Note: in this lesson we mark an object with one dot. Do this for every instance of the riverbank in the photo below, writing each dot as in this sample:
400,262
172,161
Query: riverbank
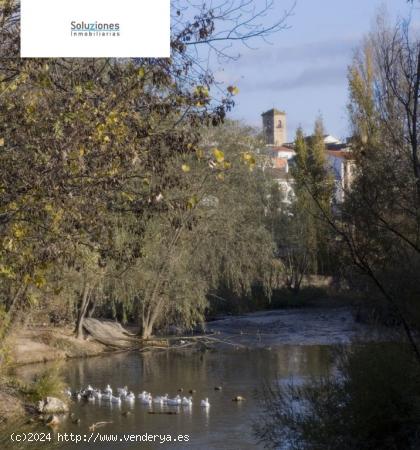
38,345
315,325
34,345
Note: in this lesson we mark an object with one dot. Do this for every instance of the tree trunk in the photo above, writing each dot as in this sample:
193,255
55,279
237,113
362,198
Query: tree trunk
91,307
82,312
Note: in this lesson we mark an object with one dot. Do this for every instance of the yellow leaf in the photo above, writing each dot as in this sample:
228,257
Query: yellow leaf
202,91
26,279
141,72
7,271
128,196
1,142
220,177
39,281
18,231
192,202
219,155
186,168
233,90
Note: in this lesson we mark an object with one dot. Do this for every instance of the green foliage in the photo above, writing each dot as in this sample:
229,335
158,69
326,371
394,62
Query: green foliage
298,230
373,403
209,231
379,226
86,149
49,383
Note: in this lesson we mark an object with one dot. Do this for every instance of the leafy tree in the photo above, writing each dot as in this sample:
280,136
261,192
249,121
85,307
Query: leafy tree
84,147
378,225
209,231
313,185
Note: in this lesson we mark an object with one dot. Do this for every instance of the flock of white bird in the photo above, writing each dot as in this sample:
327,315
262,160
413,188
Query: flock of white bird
123,394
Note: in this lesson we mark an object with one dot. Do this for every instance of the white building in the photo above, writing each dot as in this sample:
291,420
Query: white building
281,154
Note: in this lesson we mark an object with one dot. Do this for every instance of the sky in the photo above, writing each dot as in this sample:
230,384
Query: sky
304,69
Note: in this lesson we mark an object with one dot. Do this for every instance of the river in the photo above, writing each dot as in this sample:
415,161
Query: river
259,358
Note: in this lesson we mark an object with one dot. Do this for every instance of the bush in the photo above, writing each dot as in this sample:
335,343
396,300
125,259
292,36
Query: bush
373,403
48,384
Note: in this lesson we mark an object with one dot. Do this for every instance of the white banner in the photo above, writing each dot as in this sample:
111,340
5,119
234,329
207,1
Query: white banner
95,28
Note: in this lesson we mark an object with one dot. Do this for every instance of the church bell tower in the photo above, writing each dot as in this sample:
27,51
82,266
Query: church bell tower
274,127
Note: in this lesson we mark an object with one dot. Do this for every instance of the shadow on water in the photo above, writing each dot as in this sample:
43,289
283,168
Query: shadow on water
226,425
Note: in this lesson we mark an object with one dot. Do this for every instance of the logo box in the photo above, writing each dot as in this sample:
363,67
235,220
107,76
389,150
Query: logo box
95,28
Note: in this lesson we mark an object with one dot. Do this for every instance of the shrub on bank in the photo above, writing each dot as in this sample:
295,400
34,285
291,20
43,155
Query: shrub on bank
373,402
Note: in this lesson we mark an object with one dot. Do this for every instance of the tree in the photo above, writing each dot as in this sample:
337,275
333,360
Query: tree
378,225
84,146
209,231
312,180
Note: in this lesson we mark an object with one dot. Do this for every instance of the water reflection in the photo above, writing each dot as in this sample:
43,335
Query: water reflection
225,425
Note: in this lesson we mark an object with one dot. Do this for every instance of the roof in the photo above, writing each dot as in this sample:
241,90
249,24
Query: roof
345,154
279,148
338,146
273,111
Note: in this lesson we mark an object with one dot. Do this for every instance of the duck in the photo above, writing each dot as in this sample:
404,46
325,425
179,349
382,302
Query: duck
160,400
108,389
97,394
205,403
122,392
130,397
142,394
115,399
174,401
187,401
146,399
53,421
106,396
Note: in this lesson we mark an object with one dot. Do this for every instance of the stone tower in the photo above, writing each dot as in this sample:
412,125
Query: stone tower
274,127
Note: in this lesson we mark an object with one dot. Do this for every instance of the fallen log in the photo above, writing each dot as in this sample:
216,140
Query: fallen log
110,333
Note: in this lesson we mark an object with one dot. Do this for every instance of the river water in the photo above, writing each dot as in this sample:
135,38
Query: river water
225,425
284,346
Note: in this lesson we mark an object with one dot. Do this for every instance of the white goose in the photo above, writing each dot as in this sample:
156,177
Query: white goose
130,397
145,398
115,399
98,394
205,403
142,394
122,392
174,401
160,400
108,389
187,401
106,397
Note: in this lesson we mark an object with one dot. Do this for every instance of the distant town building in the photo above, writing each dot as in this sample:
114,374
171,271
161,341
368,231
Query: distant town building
274,127
281,154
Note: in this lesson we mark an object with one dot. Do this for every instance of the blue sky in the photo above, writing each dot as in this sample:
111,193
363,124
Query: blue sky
304,69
